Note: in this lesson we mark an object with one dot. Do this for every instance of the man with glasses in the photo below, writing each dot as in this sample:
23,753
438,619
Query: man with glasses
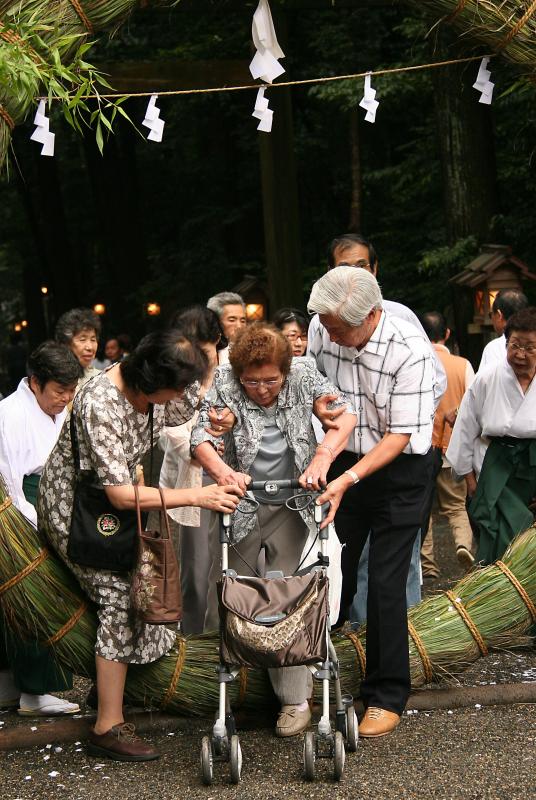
506,303
493,443
354,250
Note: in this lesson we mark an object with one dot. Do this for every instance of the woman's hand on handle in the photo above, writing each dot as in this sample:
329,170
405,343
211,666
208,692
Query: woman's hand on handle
219,498
333,495
314,475
227,477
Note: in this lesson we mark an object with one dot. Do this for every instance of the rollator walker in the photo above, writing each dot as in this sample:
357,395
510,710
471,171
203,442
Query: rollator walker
329,741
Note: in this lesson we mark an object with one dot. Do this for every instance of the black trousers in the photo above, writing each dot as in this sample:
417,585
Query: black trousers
389,506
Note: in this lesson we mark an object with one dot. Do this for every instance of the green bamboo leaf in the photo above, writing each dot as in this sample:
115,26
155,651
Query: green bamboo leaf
99,138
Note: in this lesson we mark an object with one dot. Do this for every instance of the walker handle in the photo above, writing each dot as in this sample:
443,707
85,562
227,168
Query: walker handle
274,487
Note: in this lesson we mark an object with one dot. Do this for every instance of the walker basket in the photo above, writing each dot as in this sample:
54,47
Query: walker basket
275,622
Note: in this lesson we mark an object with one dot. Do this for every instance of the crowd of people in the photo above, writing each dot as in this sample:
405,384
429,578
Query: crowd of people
358,399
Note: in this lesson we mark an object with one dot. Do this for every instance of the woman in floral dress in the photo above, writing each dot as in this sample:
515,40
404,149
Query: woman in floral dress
112,422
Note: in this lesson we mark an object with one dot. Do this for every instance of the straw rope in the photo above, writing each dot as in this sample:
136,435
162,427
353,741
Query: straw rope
280,84
459,8
11,125
8,501
181,655
81,13
243,685
426,663
44,553
464,614
359,649
518,26
69,625
517,585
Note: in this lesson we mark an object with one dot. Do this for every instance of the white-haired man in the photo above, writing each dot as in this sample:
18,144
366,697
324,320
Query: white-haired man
231,311
385,366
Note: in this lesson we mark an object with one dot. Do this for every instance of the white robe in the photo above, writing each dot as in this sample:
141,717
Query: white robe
494,405
27,436
494,353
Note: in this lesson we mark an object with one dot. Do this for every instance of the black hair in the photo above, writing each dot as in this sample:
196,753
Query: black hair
53,361
164,360
523,321
285,315
74,321
435,325
200,323
348,240
508,301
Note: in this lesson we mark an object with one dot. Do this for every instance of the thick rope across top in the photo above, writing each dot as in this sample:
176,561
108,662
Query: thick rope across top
518,26
82,14
459,8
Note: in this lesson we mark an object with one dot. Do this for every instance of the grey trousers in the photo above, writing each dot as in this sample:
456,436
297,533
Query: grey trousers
281,534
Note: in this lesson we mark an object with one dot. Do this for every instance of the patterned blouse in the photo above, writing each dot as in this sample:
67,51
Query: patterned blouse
302,387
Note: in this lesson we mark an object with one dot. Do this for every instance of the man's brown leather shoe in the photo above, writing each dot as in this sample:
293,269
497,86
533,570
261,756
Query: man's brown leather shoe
378,722
121,744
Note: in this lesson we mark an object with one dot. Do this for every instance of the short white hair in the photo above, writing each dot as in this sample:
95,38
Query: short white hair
347,293
218,302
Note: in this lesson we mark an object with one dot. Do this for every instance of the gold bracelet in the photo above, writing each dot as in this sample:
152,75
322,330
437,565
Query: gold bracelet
327,447
354,476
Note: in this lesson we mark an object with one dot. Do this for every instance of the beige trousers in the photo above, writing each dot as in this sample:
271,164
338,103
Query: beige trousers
451,496
281,533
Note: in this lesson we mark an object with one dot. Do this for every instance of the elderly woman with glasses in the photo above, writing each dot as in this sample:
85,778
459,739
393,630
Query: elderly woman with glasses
271,396
493,443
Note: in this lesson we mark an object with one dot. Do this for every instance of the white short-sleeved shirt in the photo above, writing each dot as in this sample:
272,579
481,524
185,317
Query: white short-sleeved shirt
390,383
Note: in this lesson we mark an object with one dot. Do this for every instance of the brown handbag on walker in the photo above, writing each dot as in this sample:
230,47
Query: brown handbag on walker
156,590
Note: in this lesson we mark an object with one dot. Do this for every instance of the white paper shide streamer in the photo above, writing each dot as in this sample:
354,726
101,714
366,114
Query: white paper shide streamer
42,132
265,65
262,112
152,120
369,102
483,83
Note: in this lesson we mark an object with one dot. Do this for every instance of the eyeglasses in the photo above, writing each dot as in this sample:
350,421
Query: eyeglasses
256,384
529,349
361,263
293,337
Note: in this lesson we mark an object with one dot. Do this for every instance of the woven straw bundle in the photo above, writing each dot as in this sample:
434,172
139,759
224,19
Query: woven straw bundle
490,609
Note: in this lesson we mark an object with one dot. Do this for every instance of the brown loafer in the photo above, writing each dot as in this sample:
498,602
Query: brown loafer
120,743
290,721
378,722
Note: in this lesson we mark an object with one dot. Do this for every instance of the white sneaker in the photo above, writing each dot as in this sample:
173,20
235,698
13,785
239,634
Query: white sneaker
465,558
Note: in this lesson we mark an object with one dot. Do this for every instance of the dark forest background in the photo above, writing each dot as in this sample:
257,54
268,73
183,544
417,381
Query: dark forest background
436,176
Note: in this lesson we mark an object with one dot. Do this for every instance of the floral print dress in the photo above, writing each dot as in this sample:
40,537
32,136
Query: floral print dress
113,438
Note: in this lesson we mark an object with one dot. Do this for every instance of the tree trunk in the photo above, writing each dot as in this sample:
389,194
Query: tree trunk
466,142
356,202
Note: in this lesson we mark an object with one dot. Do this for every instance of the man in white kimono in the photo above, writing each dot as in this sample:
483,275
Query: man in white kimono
506,303
493,443
30,422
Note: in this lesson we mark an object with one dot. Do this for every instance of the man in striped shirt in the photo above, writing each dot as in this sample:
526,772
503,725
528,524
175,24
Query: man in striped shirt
385,367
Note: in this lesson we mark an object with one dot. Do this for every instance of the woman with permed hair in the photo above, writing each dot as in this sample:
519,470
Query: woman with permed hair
271,396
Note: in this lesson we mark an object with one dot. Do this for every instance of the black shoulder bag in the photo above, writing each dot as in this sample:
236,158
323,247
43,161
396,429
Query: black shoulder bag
101,536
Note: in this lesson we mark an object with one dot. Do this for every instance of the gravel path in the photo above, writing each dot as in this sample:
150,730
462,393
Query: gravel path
473,753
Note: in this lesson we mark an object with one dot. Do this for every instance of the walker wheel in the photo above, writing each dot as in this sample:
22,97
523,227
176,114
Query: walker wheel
352,732
339,756
206,761
309,756
236,759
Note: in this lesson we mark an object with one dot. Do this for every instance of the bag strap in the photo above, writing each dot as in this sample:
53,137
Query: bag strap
164,519
151,422
74,444
138,509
